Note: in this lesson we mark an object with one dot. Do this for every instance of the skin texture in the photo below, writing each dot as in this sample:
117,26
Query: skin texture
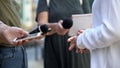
8,34
55,27
72,41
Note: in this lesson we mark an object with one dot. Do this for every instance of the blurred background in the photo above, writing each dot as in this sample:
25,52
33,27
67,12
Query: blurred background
34,48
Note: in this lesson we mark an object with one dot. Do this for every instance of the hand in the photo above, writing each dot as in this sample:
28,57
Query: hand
78,50
59,28
9,34
72,41
79,32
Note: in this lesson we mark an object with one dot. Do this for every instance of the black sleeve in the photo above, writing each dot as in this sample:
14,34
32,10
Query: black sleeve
86,6
42,6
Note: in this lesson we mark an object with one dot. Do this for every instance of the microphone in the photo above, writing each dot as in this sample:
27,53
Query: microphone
43,28
67,23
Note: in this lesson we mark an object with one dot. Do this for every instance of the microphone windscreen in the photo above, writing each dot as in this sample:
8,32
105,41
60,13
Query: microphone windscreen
44,28
67,23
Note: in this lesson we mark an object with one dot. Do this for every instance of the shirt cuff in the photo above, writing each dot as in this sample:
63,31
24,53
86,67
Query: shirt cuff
79,42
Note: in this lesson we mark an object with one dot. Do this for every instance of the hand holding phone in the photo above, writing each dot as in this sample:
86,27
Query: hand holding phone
30,37
37,33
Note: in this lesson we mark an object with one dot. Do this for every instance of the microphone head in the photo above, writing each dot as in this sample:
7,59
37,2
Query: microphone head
67,23
44,28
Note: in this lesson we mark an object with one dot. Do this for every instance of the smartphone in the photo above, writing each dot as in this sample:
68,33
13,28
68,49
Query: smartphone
30,36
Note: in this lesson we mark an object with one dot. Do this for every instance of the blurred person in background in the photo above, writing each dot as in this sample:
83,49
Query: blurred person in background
91,2
103,39
56,54
12,54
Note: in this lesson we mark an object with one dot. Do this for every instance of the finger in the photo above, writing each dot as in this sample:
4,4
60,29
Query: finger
25,41
81,31
81,51
77,50
71,47
70,39
86,51
17,43
78,33
60,22
23,32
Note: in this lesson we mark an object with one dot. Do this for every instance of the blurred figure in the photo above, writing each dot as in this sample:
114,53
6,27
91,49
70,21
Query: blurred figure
91,2
56,54
12,54
103,39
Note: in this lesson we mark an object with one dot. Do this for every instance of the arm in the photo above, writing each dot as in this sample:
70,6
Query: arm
3,27
106,33
42,15
42,18
55,27
8,34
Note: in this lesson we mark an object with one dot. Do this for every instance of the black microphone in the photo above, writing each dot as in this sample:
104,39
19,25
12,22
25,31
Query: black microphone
43,28
67,23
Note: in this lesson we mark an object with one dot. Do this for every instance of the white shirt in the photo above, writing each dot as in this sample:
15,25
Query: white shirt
103,40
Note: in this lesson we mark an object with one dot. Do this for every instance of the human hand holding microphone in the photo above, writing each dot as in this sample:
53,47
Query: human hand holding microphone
61,28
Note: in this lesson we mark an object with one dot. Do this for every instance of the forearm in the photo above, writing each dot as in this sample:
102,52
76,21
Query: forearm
43,19
3,27
107,33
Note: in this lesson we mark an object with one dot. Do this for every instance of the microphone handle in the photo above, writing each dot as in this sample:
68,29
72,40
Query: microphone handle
67,24
34,31
43,28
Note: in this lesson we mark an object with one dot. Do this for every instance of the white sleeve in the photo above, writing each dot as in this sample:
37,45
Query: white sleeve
106,33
